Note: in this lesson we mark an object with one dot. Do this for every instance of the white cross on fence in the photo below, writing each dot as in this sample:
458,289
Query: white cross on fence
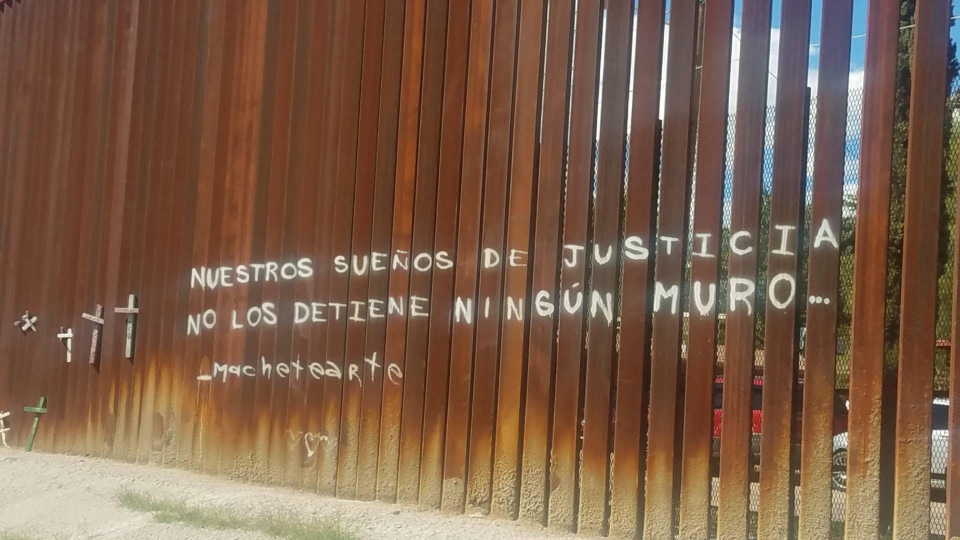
97,320
131,310
26,323
66,337
4,428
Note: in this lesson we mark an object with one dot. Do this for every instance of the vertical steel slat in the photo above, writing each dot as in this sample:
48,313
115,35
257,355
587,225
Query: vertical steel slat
402,238
565,442
164,436
604,268
242,141
323,249
106,23
116,275
140,144
445,241
192,406
819,374
145,232
640,210
20,249
52,353
490,304
671,255
545,261
159,226
88,201
208,432
360,243
31,258
695,486
286,387
354,30
6,211
786,228
870,272
269,191
196,216
516,257
387,136
286,422
156,389
737,388
25,352
361,246
918,311
453,498
303,402
422,249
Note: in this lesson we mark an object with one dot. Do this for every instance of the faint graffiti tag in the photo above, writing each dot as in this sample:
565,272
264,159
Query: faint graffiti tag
311,441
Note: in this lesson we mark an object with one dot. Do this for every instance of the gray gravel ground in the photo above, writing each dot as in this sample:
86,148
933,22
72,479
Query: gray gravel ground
71,497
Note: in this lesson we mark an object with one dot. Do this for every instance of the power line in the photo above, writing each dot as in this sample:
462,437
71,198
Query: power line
861,36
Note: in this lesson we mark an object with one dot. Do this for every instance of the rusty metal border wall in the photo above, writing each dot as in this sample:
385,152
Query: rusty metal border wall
488,255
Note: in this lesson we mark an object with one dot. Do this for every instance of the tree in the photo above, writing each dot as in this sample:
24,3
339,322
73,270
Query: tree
898,191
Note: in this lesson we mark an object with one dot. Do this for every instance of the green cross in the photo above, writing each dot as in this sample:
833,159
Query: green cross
41,408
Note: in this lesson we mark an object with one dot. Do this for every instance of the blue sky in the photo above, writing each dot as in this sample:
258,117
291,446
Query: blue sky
858,45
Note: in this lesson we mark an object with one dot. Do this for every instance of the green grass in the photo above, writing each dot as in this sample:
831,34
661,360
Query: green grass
278,524
9,535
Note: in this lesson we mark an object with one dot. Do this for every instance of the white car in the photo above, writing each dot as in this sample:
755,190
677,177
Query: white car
938,453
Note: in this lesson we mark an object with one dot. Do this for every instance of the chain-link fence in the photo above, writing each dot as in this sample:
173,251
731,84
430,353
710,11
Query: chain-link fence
847,244
844,314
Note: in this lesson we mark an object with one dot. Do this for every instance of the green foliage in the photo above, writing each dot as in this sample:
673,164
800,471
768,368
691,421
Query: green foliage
277,524
948,217
898,195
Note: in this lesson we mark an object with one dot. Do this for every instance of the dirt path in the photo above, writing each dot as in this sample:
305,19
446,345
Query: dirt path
69,497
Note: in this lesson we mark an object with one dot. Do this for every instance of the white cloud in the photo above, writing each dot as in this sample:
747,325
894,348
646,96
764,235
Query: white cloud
772,67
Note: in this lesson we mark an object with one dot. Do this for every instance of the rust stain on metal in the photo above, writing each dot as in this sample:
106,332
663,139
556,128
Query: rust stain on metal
445,240
466,165
673,223
819,377
565,443
403,223
869,280
545,260
698,393
737,387
513,331
608,202
453,498
424,223
783,265
911,511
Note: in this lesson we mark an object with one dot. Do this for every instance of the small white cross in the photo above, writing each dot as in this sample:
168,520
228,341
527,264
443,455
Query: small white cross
97,320
131,310
4,428
26,322
66,337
